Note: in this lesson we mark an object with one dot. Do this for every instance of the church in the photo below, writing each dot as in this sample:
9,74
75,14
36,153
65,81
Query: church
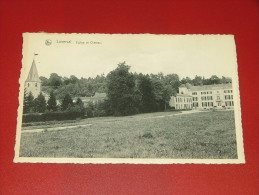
33,82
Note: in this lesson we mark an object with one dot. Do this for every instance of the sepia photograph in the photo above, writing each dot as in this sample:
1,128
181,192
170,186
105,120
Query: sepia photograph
129,98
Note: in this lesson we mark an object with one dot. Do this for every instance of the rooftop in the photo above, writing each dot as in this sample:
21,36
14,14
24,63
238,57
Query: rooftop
211,87
207,87
33,74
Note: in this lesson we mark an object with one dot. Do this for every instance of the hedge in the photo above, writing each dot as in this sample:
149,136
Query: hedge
50,116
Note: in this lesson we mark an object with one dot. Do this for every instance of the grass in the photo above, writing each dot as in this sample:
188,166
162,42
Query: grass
209,135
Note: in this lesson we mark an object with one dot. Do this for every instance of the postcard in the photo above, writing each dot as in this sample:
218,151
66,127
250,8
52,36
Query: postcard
129,98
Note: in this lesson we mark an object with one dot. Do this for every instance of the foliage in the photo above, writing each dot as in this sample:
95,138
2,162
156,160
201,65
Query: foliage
66,102
120,89
145,89
40,104
28,102
52,103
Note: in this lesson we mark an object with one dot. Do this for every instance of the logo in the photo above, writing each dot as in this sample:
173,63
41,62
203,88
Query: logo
48,42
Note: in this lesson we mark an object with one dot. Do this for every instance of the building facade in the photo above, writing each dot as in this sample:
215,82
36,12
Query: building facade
218,96
33,82
181,102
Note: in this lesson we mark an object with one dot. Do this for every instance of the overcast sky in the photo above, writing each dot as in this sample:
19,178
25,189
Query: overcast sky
185,55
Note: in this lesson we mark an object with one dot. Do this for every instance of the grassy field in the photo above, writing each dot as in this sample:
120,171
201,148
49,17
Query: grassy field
209,135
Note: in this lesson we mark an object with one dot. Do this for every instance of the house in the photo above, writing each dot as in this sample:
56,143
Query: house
204,96
95,99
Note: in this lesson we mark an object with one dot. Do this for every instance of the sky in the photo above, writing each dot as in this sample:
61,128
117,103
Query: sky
89,55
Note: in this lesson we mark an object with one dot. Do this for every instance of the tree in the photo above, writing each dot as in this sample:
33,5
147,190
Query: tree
73,79
40,104
197,80
52,103
214,79
120,89
226,80
66,102
147,100
55,80
90,109
80,105
28,102
44,81
167,93
158,89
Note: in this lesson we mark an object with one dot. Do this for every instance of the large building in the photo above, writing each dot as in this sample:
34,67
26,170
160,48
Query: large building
203,97
33,82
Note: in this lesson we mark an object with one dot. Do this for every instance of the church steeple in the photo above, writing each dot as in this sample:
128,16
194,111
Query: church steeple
33,82
33,74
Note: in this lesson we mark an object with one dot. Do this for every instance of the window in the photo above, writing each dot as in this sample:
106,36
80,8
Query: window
228,91
203,98
195,98
195,104
218,97
204,104
228,97
194,93
203,93
28,84
209,98
210,103
36,84
229,103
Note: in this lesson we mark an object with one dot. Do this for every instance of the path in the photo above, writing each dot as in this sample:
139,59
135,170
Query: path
182,113
54,128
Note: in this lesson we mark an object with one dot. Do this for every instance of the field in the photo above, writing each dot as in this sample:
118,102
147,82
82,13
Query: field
203,135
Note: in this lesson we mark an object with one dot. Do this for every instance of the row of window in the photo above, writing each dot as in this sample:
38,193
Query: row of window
228,91
202,93
210,104
183,106
229,103
205,104
205,98
183,99
228,97
210,92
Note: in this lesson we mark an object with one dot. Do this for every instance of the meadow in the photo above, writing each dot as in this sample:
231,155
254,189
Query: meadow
203,135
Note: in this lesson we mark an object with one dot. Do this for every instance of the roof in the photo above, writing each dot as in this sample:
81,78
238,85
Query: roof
33,74
211,87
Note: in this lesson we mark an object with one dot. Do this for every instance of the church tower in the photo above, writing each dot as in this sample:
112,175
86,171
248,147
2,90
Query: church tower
33,83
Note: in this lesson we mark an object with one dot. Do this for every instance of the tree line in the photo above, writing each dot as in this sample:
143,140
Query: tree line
127,93
81,87
40,105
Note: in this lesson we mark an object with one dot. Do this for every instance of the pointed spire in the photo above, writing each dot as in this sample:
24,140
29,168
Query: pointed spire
33,74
